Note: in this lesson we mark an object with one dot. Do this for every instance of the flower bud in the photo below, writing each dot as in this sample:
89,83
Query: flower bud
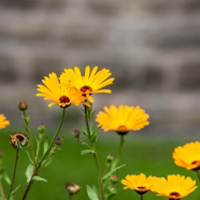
41,128
18,140
72,188
76,133
23,106
114,178
58,141
109,158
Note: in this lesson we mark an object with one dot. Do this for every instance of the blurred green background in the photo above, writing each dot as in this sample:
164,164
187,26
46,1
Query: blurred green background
142,153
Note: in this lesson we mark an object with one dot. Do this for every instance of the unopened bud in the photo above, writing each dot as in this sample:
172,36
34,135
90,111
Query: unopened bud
76,133
41,128
58,141
23,106
109,158
114,178
72,188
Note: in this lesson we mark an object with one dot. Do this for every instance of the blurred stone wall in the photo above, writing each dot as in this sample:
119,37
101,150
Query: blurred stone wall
151,47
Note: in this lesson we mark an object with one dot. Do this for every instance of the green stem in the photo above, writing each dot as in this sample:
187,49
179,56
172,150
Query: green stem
2,191
37,169
118,158
30,143
141,197
88,126
198,174
14,173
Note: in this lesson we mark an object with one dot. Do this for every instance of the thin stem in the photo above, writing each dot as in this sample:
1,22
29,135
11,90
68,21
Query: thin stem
118,158
198,174
141,197
88,126
37,169
14,173
2,191
55,136
29,136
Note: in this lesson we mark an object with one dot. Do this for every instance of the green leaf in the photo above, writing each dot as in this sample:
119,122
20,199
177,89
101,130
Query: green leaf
29,172
29,157
38,178
15,189
87,151
6,178
45,146
106,176
83,130
91,193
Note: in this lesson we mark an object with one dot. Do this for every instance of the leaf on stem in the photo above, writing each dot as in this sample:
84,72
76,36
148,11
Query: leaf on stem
29,172
15,189
45,146
83,130
106,176
87,151
38,178
29,157
91,193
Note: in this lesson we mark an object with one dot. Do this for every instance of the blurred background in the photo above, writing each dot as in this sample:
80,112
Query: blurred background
152,49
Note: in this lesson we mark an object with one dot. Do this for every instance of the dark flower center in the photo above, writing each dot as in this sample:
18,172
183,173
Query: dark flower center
174,195
141,190
65,101
122,130
86,88
197,163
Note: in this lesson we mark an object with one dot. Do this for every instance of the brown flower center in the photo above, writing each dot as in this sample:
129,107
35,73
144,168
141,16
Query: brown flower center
141,190
122,130
64,101
18,140
86,89
174,196
197,164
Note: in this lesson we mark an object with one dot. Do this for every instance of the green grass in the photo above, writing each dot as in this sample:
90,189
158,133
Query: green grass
149,155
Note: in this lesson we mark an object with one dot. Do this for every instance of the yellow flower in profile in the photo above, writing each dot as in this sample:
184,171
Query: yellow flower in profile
58,94
90,83
140,183
175,187
188,156
122,119
3,121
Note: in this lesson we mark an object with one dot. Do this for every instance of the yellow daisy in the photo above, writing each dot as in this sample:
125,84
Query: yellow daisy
60,95
90,83
140,183
175,187
188,156
3,121
122,119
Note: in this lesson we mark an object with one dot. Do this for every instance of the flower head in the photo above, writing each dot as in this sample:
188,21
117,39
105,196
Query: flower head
60,95
90,83
188,156
175,187
140,183
72,188
122,119
18,140
3,121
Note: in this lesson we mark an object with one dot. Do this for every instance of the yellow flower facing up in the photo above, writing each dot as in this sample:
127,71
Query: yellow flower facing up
122,119
140,183
58,94
90,83
175,187
3,121
188,156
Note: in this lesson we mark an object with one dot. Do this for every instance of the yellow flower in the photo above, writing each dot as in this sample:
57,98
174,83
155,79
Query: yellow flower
60,95
174,187
91,83
3,121
140,183
188,156
122,119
